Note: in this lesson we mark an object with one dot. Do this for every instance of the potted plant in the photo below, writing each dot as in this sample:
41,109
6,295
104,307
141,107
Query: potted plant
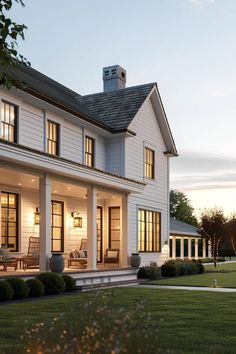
56,262
135,260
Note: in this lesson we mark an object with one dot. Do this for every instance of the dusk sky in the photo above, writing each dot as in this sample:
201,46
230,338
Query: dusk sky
187,46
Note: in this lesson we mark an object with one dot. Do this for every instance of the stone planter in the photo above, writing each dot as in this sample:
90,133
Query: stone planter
56,263
135,260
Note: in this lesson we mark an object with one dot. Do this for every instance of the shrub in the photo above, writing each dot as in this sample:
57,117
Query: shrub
169,269
53,283
148,272
19,287
6,291
177,267
200,268
70,283
36,287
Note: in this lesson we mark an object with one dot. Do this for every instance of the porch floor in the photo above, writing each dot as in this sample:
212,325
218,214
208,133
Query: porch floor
73,270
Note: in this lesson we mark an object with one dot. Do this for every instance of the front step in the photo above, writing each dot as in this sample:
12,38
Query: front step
113,284
104,278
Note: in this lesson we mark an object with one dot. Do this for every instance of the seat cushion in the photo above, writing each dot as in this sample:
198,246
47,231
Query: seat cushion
5,253
112,254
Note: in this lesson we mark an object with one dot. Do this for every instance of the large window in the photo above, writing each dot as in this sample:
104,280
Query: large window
57,226
149,163
9,220
192,247
52,138
8,122
114,227
200,247
149,230
89,151
177,248
185,247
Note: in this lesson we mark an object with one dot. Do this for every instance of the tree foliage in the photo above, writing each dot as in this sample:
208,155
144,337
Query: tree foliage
213,227
10,33
181,209
230,238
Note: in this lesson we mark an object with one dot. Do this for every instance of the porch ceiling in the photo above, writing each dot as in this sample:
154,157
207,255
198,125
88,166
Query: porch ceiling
19,180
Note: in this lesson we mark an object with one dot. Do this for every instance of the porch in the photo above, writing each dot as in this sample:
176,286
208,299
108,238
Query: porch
61,212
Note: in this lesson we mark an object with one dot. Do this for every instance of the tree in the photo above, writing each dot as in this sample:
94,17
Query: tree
231,234
213,228
181,209
10,32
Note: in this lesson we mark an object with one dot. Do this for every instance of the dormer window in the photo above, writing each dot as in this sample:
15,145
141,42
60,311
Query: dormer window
149,163
9,122
52,138
89,151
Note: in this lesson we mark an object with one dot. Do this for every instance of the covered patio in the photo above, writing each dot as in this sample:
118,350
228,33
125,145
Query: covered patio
61,212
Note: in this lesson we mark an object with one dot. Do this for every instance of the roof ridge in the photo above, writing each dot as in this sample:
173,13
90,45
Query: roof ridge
118,90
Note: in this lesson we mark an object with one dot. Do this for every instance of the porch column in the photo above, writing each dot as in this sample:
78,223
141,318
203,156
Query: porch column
204,248
45,222
182,247
196,248
173,247
189,248
92,227
124,232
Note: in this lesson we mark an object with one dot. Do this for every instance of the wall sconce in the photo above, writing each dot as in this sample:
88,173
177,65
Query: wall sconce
37,216
77,219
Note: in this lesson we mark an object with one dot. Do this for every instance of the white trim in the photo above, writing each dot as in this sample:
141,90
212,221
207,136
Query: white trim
16,155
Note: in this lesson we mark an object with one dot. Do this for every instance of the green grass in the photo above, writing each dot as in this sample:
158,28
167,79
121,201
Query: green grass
224,280
189,322
223,266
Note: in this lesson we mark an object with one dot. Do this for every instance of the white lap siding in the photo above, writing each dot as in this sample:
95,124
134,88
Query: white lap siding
31,127
155,195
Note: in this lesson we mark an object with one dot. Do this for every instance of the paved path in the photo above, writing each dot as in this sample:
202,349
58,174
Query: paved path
191,288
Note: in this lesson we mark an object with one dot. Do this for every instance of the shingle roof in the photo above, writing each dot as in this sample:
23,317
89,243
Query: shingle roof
181,228
117,108
113,111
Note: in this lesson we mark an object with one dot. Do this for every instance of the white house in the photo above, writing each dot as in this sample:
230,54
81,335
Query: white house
186,242
94,166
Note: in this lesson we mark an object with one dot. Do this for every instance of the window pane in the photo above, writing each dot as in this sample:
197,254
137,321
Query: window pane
52,138
149,230
8,122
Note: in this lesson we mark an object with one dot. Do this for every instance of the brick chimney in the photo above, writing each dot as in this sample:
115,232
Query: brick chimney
114,78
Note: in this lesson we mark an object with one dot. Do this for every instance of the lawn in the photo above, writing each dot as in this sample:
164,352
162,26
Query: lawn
225,280
188,322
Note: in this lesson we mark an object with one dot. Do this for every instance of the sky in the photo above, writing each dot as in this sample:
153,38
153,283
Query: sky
187,46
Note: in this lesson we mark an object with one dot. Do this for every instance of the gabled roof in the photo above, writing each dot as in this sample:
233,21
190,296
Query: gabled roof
117,108
181,228
111,111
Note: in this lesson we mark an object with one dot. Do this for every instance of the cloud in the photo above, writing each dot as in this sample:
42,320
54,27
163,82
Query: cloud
194,171
198,3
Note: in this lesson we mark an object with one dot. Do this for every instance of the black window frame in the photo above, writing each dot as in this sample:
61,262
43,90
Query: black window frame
62,226
89,153
110,230
52,141
16,223
149,165
145,222
4,122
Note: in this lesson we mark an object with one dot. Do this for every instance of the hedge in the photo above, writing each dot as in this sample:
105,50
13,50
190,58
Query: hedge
174,268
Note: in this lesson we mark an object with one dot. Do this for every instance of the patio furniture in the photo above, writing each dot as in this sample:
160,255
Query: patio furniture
31,260
6,260
112,255
79,257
